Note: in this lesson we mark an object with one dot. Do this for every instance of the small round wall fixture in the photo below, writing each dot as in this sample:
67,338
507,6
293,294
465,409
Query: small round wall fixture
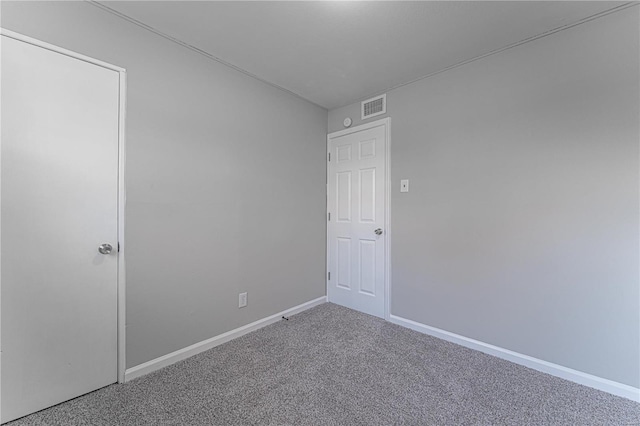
347,122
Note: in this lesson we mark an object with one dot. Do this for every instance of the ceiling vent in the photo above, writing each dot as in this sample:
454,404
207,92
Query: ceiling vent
374,106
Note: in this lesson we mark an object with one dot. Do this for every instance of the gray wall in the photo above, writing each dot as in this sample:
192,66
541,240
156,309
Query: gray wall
521,225
225,182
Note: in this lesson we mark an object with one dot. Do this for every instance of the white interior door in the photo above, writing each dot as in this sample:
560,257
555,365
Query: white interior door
59,202
356,222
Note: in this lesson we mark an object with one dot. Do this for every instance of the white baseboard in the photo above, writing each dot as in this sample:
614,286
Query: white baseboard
179,355
576,376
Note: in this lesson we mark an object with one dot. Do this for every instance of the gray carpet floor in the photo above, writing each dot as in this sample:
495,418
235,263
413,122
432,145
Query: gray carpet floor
334,366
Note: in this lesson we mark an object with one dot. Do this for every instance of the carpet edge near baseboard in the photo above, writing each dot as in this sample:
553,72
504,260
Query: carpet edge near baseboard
582,378
196,348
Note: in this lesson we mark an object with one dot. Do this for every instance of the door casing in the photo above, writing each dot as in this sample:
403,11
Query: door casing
121,362
386,122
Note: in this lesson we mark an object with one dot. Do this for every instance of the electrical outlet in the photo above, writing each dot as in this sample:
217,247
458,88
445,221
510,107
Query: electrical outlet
242,300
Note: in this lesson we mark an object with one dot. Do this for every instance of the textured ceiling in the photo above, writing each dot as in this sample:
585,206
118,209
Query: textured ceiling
335,53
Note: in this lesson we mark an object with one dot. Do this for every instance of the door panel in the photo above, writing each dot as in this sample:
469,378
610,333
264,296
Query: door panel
344,196
59,202
368,195
368,267
355,202
344,262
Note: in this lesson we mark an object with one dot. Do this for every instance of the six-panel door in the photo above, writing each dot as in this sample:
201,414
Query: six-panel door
356,225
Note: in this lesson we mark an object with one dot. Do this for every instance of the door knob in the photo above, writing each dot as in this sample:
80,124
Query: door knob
378,231
105,248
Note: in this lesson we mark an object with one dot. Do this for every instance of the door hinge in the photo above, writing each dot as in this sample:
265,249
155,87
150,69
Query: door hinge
329,275
329,216
329,156
118,246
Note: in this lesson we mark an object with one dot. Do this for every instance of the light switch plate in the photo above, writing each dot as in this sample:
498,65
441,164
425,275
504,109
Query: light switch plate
404,185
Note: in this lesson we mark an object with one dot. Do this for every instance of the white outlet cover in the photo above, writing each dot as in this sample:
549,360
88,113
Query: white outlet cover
404,185
242,300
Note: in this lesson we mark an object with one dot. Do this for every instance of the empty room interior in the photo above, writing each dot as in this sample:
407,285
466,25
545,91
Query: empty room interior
320,213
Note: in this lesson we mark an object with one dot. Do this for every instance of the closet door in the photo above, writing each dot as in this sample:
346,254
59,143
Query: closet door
356,206
59,215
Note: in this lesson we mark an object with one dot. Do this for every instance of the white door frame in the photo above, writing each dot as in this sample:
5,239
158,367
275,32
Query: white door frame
386,122
121,182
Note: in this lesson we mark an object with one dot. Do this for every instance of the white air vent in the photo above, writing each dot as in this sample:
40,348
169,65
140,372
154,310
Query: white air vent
374,106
